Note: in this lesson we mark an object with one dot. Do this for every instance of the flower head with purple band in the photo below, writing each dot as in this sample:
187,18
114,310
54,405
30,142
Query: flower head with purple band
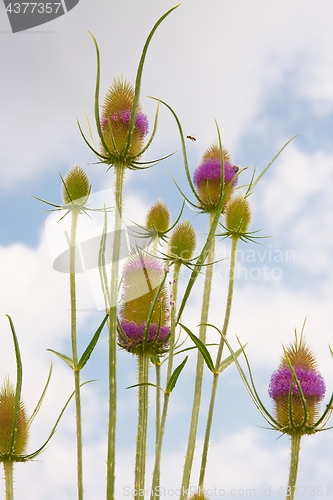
115,120
207,177
311,382
141,120
296,404
210,170
144,313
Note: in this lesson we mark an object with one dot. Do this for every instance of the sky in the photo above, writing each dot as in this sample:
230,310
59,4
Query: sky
262,70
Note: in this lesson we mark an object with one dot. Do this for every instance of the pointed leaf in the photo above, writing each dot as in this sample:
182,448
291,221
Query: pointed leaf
65,358
87,353
18,384
139,78
33,455
227,361
175,375
144,383
36,410
202,348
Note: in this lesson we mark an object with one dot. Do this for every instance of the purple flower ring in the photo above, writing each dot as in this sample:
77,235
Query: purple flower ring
311,382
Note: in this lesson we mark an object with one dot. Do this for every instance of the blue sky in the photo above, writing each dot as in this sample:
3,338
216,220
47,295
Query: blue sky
264,71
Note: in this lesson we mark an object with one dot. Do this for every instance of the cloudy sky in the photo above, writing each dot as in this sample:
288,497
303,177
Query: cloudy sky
264,71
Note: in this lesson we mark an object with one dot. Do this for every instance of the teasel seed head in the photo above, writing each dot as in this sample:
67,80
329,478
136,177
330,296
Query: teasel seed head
237,215
158,217
7,410
144,313
76,187
289,407
182,242
207,178
115,119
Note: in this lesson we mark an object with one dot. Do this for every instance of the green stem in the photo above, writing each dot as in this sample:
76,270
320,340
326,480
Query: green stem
111,457
158,415
199,370
159,436
153,251
218,362
173,318
8,467
294,459
156,472
72,280
141,441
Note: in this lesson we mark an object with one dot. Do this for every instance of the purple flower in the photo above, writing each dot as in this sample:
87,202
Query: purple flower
141,120
311,382
136,332
210,170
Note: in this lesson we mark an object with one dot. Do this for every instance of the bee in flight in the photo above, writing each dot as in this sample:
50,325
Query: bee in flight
235,168
191,137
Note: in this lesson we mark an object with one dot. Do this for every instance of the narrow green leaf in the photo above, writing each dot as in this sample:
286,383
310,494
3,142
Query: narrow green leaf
98,78
175,375
202,348
227,361
36,410
65,358
145,383
33,455
87,353
255,182
139,78
18,384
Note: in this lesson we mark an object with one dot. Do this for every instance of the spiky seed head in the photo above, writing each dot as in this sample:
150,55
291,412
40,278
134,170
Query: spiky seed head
115,118
7,407
76,188
311,382
182,241
158,217
207,177
199,496
143,276
238,215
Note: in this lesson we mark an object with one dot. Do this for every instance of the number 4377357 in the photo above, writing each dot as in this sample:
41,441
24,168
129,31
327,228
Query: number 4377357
31,7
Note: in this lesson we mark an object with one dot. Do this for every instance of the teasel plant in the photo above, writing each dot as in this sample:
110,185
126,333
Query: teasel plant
297,389
76,189
213,188
156,231
237,218
143,330
15,423
121,127
211,199
181,247
214,182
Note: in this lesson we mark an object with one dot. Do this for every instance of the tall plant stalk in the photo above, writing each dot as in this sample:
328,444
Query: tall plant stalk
218,362
199,369
9,483
162,421
111,455
75,215
294,459
141,441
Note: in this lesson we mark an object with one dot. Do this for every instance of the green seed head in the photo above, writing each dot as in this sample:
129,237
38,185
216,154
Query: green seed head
238,215
182,241
7,407
158,217
76,187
